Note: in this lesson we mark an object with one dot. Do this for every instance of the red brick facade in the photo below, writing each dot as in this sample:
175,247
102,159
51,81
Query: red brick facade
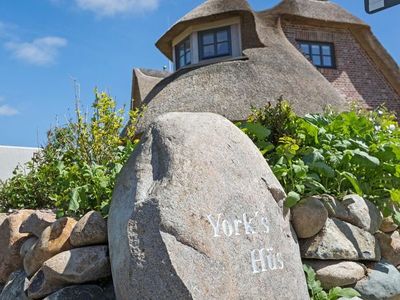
356,76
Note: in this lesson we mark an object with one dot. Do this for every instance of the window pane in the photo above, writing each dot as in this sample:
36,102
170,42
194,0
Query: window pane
181,50
223,49
316,59
315,49
188,58
326,50
208,51
305,48
327,61
222,36
187,44
208,38
182,61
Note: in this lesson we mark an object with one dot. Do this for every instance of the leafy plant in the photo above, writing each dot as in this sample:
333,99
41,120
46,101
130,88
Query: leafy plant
337,153
317,292
76,171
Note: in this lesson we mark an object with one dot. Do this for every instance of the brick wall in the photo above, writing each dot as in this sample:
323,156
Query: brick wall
356,77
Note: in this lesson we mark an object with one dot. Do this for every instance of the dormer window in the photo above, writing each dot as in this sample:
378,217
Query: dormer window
215,43
183,53
208,43
322,55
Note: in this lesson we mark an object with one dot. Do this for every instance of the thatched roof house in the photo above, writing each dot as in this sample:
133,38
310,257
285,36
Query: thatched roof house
229,58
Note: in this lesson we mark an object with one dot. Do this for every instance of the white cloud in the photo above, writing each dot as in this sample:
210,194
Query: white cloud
42,51
113,7
6,110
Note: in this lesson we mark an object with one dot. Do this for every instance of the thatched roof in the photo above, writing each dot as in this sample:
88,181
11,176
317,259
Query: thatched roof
274,66
143,81
315,9
210,9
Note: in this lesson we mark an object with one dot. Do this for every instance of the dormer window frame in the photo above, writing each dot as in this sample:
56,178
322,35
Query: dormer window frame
186,46
192,32
215,42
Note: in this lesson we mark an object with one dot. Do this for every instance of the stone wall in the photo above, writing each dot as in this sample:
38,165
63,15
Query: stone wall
349,244
45,258
356,77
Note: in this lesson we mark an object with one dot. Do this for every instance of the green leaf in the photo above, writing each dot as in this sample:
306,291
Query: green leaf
364,159
323,169
74,202
292,199
259,131
353,180
395,195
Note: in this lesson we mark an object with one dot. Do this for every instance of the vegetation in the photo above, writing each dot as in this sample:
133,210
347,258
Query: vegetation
77,169
334,153
318,293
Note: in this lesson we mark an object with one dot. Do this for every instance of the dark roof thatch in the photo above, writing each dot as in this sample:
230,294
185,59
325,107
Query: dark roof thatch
274,66
144,80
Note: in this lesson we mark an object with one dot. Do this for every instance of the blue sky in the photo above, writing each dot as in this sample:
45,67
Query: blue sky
45,44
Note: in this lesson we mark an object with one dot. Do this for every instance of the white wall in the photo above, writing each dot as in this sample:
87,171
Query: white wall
11,157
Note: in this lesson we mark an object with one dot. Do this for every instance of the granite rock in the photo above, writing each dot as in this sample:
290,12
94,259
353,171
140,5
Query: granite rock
390,246
362,213
11,241
388,225
308,217
75,266
339,240
37,222
15,287
91,229
53,240
78,292
382,283
337,273
27,246
192,210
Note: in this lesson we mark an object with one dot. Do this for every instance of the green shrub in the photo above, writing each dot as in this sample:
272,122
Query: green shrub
317,292
337,153
76,170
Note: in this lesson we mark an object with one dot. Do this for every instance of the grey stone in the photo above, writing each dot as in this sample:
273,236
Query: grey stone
27,246
75,266
15,287
11,241
337,273
308,217
335,207
109,292
362,213
78,292
383,282
390,246
339,240
192,172
37,222
91,229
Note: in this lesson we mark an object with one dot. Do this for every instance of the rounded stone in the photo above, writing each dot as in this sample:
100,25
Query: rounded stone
388,225
91,229
309,217
390,246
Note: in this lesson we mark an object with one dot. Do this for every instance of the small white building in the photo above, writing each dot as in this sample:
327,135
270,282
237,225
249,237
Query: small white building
11,157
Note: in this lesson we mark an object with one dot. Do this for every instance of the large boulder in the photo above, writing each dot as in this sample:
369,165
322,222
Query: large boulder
27,246
192,217
75,266
339,240
78,292
11,241
362,213
15,287
382,283
37,222
308,217
390,246
337,273
53,240
91,229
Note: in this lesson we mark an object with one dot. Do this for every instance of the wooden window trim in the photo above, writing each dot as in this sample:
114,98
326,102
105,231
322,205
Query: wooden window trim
214,31
178,57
